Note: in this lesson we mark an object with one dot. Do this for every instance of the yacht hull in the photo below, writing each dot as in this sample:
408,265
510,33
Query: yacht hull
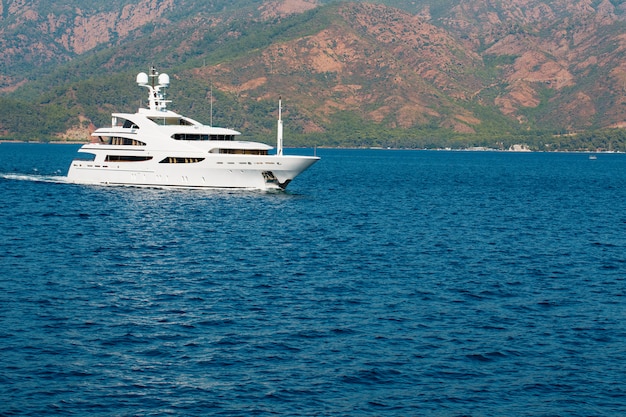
234,171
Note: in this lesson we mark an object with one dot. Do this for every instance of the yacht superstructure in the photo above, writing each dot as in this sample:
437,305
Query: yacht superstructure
157,147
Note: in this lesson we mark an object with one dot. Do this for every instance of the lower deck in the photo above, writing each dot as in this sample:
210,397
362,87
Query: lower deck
205,171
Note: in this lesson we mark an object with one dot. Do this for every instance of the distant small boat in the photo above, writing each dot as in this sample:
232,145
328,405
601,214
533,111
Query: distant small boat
593,157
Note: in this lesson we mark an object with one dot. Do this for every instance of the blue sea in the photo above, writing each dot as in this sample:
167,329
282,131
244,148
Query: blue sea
381,283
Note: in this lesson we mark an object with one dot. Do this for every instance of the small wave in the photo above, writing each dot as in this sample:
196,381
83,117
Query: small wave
34,177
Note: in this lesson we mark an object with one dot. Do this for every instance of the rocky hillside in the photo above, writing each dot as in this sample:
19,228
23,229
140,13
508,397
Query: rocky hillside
474,67
563,58
370,59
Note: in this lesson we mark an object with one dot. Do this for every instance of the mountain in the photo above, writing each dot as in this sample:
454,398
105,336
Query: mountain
378,73
563,60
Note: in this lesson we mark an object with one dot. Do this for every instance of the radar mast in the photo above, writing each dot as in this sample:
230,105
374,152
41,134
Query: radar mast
155,83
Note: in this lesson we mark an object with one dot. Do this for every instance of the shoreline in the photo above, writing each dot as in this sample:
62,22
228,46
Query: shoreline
473,149
52,142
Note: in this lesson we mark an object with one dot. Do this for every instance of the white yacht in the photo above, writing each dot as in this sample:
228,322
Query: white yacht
156,147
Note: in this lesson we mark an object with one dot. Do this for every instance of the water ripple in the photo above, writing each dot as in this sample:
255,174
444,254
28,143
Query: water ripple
454,284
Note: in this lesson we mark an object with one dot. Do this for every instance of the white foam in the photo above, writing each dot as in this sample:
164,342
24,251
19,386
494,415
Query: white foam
33,177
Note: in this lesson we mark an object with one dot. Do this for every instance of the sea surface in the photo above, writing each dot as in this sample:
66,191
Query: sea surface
382,283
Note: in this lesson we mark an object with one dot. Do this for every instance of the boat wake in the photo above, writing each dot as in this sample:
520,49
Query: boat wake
34,177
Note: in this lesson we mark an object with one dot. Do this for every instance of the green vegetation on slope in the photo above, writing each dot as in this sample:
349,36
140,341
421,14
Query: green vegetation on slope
102,81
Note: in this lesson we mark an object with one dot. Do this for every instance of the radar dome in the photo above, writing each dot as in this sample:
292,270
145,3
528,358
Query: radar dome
164,79
142,78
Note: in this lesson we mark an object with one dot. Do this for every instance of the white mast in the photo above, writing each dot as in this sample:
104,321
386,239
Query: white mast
279,135
211,122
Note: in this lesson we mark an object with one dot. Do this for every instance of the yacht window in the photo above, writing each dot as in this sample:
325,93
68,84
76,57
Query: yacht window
130,125
178,160
115,140
189,136
222,137
171,121
194,136
127,158
125,123
243,151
